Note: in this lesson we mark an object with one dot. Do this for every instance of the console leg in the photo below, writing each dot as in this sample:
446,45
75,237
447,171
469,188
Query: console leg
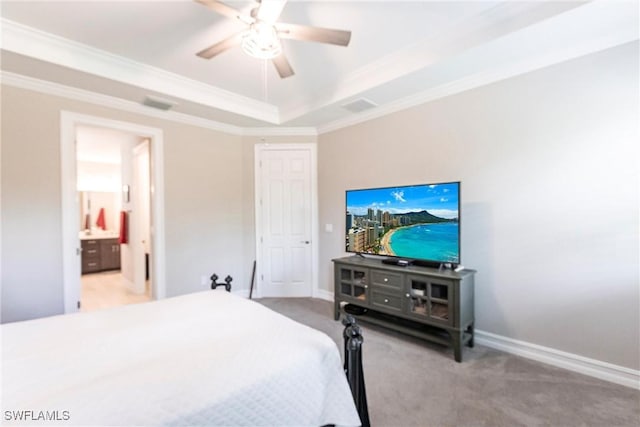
336,311
472,332
456,337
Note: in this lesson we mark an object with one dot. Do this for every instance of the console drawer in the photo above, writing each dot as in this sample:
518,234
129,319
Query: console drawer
386,278
385,300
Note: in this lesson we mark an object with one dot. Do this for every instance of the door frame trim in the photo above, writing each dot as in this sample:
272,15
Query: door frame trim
70,213
259,150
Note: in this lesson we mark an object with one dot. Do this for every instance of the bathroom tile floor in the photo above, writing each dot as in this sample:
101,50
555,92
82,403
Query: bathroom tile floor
105,290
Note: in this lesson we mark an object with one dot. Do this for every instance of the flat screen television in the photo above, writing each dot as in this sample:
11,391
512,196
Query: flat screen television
412,222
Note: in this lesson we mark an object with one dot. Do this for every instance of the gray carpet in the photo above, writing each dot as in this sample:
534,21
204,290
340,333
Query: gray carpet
414,383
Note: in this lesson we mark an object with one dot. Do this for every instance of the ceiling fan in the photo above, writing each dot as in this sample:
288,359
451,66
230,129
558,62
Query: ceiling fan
262,37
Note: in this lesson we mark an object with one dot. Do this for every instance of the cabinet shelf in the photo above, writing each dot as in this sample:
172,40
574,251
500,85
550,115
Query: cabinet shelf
416,329
408,327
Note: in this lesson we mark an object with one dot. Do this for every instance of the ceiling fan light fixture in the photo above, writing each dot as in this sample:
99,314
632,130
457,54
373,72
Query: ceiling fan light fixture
262,37
261,41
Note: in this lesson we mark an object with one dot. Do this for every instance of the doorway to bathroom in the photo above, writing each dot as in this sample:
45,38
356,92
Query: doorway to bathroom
112,170
113,218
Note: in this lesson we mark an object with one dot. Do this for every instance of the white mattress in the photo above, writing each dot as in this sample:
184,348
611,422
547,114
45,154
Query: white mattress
209,358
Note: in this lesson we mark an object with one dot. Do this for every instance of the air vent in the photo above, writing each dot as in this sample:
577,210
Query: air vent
359,105
159,103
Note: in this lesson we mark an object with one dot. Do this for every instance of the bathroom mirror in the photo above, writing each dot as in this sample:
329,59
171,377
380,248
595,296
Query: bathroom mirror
91,202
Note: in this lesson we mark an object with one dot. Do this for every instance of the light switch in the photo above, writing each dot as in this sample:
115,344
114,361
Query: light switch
328,228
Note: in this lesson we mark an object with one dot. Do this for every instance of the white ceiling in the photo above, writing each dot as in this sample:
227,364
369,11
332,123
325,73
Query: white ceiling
401,53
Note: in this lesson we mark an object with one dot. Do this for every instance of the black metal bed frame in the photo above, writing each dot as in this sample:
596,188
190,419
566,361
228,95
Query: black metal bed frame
353,340
215,284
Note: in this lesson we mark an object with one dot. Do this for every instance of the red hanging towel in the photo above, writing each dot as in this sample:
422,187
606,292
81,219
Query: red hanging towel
100,223
123,228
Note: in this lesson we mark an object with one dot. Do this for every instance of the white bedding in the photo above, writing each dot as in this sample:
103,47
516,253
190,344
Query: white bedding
209,358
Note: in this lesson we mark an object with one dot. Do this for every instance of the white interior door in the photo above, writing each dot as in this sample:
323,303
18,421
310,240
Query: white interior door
140,218
285,223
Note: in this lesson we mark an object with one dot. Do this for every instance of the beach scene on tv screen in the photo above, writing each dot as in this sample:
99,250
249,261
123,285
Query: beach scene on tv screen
413,222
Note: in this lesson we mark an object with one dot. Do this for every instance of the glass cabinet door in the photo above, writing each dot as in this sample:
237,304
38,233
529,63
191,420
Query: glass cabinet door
353,283
417,297
439,301
429,299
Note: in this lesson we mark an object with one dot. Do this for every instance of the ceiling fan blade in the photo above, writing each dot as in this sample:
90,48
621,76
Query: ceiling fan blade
221,8
220,47
315,34
270,10
283,66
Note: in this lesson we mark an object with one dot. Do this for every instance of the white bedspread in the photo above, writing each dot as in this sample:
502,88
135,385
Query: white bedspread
209,358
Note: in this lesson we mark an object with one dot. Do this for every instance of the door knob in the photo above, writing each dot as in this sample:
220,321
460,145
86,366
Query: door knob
306,242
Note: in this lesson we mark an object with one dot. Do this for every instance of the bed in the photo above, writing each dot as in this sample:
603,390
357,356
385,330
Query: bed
208,358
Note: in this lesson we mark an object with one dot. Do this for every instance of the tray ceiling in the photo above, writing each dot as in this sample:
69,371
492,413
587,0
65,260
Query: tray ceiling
401,53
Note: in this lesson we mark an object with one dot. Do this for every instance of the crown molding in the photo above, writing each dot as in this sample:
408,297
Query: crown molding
56,89
603,28
493,23
280,131
48,47
442,91
582,30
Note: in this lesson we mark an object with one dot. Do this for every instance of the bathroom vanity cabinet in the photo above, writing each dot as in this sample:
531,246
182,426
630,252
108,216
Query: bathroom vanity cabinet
100,254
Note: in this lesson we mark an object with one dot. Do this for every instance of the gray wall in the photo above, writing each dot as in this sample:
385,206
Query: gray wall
204,179
548,164
31,217
549,169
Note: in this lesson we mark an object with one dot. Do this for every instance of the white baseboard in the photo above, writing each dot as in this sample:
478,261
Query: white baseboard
322,294
573,362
